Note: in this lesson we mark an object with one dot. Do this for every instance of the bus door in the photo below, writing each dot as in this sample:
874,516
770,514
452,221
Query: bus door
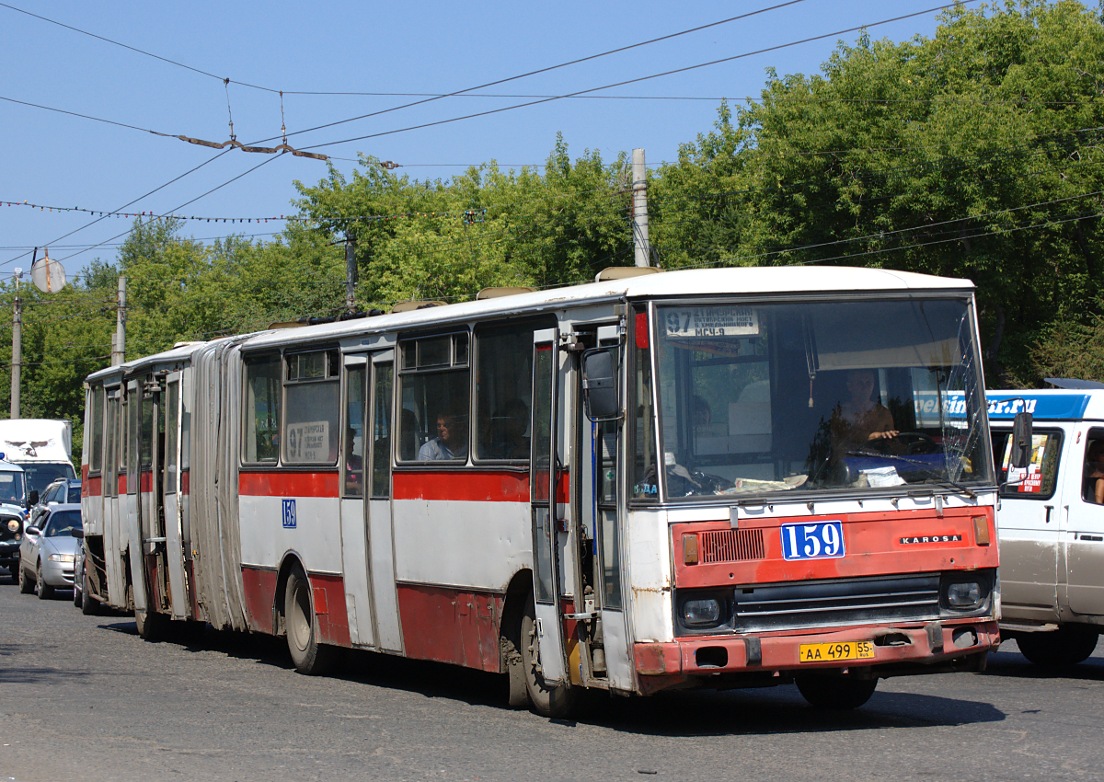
130,505
114,524
380,444
172,497
354,546
600,510
545,476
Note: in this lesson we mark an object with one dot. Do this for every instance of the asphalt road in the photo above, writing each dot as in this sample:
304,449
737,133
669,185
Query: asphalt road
84,698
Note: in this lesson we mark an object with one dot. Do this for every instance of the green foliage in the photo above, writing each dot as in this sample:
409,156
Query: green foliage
975,153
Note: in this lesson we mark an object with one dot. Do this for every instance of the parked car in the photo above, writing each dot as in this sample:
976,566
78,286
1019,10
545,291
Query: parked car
59,492
47,552
13,486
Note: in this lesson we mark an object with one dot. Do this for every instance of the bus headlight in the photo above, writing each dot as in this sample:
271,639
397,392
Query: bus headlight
964,595
701,612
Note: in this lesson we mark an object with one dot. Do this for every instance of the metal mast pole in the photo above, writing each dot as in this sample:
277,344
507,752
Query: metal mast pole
17,348
641,249
118,347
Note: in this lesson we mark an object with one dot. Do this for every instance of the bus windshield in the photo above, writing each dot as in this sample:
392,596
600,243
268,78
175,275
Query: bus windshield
813,396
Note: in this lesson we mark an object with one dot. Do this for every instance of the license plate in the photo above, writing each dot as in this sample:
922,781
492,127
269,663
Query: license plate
847,650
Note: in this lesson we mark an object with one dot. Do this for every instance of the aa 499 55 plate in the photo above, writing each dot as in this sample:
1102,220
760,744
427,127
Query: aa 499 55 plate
841,650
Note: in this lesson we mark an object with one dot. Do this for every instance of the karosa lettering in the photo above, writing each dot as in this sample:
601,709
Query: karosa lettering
912,540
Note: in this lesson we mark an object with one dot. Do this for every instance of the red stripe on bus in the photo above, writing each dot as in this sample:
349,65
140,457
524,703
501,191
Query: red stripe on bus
462,485
288,484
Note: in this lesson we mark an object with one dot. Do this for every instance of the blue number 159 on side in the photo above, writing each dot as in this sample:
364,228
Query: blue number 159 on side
816,540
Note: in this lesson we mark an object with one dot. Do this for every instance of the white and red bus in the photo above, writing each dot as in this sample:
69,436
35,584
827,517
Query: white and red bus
646,482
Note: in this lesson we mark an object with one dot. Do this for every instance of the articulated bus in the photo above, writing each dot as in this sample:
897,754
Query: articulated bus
702,478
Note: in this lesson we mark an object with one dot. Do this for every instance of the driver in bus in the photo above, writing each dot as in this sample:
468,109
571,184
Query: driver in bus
860,420
451,441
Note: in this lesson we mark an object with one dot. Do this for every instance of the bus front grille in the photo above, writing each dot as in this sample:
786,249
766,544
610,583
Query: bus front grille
829,603
731,545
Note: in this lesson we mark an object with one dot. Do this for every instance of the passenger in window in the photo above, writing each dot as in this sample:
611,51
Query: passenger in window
859,419
511,421
1094,472
451,441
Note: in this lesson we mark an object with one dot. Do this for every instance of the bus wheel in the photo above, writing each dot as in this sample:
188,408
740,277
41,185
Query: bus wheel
89,605
545,699
151,625
836,692
1068,645
308,655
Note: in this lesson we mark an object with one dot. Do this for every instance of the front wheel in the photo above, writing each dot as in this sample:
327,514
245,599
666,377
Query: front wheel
26,585
308,655
1068,645
44,590
547,700
836,692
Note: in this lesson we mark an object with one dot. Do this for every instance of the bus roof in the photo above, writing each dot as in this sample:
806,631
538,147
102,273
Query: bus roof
685,283
1046,404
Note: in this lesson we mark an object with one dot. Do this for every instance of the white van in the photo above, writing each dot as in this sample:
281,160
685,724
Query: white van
1050,526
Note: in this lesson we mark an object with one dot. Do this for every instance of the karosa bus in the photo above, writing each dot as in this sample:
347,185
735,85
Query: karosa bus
644,490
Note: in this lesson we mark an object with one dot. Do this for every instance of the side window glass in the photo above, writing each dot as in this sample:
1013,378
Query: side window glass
434,382
504,391
1094,470
1039,479
261,417
311,434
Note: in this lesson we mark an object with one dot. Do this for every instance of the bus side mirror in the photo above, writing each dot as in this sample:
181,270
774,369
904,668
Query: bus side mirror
1020,457
600,384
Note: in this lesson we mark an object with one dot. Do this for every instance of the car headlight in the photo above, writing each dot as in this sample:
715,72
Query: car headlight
61,557
13,525
701,612
964,595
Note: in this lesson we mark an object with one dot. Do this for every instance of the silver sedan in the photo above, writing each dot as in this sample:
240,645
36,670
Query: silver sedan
48,550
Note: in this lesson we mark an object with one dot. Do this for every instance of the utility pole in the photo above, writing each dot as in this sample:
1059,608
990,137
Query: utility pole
118,344
641,248
350,274
17,348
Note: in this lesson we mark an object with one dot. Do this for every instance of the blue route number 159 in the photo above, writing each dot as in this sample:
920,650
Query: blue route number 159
813,540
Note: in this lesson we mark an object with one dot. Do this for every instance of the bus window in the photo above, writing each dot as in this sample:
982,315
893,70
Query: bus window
310,432
434,387
261,420
504,391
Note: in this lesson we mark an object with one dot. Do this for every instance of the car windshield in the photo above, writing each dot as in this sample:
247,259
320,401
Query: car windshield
812,396
62,523
11,487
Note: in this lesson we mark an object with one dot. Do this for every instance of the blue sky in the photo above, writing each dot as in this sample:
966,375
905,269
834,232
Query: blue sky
88,89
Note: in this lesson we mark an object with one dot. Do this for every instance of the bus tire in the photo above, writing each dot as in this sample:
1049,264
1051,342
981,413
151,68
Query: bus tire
1068,645
89,605
544,699
301,627
151,625
836,692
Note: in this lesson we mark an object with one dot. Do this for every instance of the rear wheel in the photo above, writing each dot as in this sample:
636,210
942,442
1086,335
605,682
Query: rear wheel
151,625
547,700
836,692
301,623
26,585
88,605
44,590
1068,645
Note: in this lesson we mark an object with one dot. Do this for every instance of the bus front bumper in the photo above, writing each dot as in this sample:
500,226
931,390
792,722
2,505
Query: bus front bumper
891,651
